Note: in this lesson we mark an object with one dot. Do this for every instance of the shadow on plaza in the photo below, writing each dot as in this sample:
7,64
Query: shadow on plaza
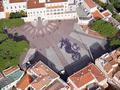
76,66
97,50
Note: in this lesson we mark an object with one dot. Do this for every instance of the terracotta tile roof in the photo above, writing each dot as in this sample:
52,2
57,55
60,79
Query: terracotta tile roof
10,70
16,1
117,74
90,3
107,67
90,72
24,82
97,15
43,70
1,7
106,13
56,85
39,83
34,4
44,73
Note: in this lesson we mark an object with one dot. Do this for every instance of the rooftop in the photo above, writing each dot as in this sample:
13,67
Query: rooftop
107,67
16,1
81,12
97,14
112,57
106,13
10,78
31,4
87,74
44,73
10,70
24,82
90,3
57,85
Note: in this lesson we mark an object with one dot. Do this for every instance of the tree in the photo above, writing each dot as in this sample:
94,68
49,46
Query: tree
104,28
15,15
115,43
23,13
108,31
14,88
116,4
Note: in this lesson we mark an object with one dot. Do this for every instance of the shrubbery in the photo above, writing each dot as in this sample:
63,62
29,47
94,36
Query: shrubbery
18,14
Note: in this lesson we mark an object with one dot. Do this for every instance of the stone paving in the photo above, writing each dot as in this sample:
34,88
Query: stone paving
46,37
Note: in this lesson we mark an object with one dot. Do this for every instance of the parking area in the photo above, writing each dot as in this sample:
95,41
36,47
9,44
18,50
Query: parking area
63,43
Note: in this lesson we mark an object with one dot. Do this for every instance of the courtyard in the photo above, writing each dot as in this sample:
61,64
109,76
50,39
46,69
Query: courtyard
63,43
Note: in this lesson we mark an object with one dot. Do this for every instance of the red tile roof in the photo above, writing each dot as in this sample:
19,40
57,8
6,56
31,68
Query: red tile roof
24,82
90,72
44,73
1,7
97,15
39,83
16,1
10,70
106,13
90,3
34,4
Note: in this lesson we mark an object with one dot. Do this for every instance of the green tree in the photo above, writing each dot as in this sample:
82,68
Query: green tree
15,15
108,31
23,13
116,4
104,28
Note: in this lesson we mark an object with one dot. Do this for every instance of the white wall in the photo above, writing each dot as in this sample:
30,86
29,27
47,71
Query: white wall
2,15
15,7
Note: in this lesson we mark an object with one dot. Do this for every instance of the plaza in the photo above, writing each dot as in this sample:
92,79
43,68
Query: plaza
65,45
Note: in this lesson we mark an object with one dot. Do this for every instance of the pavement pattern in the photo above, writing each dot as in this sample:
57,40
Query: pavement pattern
46,38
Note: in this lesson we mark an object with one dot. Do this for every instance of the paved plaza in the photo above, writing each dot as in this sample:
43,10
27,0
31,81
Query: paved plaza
63,43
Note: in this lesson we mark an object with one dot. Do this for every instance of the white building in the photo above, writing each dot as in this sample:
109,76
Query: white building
50,10
14,5
82,10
